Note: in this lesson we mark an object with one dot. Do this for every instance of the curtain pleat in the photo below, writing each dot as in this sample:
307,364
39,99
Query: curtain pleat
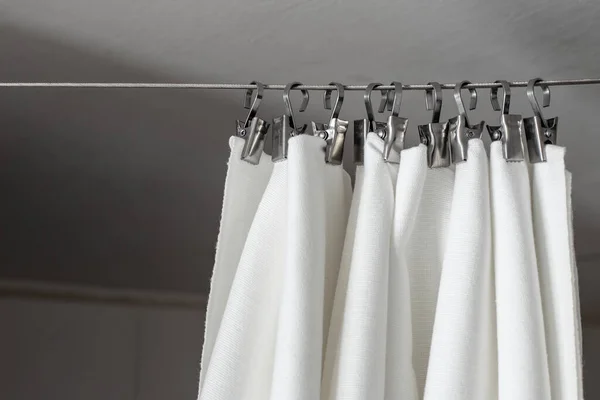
360,369
300,336
331,361
558,274
270,341
522,355
424,252
244,187
462,362
426,283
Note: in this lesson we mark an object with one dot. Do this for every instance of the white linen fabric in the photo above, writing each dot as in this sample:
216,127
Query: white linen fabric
522,360
551,193
244,187
269,343
447,283
462,362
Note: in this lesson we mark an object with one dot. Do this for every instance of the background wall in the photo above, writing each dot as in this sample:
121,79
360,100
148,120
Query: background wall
122,188
61,351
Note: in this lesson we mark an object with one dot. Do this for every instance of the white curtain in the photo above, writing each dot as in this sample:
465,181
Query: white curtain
418,283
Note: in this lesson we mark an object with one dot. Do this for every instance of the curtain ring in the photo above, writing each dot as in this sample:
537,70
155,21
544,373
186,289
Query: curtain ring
260,89
459,101
338,101
288,104
433,101
537,111
505,99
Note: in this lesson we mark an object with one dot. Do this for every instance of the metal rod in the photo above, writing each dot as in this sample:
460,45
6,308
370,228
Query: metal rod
221,86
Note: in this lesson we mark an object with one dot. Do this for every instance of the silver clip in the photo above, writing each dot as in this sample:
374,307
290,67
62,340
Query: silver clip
284,127
394,130
253,130
362,127
510,130
333,133
459,128
538,130
435,134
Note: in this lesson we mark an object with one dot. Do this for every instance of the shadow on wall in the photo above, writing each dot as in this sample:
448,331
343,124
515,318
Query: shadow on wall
118,187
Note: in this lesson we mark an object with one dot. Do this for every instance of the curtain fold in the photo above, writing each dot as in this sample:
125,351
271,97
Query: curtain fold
360,369
269,343
424,252
420,283
558,274
522,359
244,187
462,362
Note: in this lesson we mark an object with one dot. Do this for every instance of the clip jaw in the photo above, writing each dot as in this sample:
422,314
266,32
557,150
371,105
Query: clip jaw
435,137
361,130
540,132
362,127
334,135
282,132
254,138
392,133
510,132
460,133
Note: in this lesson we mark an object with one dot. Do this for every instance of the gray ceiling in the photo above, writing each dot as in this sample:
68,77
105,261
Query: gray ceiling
123,187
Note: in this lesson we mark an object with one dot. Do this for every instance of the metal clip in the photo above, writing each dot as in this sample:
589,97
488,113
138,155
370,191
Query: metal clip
394,130
435,134
333,133
538,130
459,128
362,127
510,130
253,130
284,127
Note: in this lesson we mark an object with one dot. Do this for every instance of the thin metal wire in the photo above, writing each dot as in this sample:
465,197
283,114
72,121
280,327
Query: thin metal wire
225,86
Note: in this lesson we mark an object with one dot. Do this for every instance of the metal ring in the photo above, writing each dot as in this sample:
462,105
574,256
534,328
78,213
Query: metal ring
394,98
367,98
537,111
459,101
288,103
260,90
338,101
505,99
433,101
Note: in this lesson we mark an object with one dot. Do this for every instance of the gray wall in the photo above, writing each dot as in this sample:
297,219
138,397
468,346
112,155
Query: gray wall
61,351
66,351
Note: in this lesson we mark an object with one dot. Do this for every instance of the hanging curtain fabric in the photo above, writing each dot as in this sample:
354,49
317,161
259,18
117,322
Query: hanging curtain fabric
446,273
268,326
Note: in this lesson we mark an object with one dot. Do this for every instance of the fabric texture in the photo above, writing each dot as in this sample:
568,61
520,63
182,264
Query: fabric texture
244,187
454,283
558,274
462,361
522,360
270,340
